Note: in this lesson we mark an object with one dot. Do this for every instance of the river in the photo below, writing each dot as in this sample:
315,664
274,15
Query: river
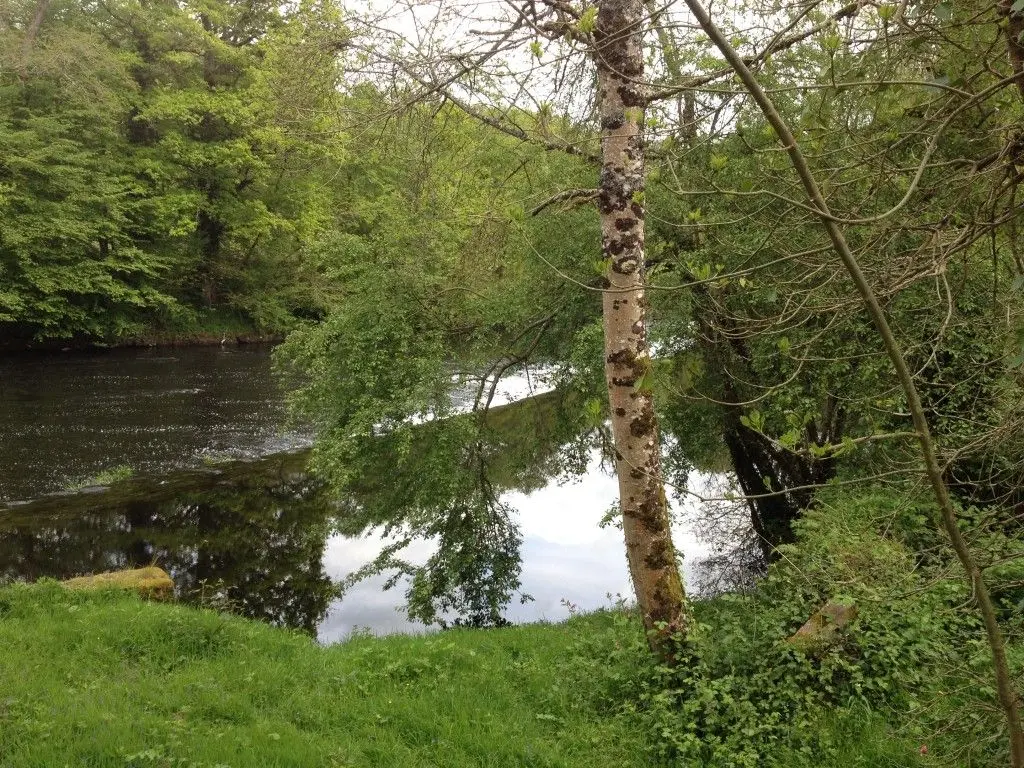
212,487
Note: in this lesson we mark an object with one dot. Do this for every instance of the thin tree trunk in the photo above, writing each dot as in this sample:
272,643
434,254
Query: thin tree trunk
947,516
1013,30
42,6
686,108
653,566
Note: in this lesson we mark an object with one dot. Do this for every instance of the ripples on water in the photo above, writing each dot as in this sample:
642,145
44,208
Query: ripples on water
219,496
67,417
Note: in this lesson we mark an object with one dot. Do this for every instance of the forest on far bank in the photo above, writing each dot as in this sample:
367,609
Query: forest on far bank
779,239
166,168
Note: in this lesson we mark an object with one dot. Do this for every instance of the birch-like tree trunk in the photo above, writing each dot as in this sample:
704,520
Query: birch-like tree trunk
618,55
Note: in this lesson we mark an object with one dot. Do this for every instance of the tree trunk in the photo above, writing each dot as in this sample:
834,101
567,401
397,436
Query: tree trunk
653,567
42,6
1013,30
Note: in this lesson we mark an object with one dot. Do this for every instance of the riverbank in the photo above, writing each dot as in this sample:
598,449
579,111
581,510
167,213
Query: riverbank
106,679
145,341
201,328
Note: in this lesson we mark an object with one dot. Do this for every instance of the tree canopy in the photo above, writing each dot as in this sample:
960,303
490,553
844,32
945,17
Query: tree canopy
780,239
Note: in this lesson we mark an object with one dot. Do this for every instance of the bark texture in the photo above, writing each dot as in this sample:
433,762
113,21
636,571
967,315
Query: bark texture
1014,31
42,6
618,54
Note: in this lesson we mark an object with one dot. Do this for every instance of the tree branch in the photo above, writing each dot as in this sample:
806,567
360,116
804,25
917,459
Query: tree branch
569,198
779,44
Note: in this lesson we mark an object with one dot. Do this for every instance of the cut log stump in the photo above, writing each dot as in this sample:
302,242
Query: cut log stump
821,631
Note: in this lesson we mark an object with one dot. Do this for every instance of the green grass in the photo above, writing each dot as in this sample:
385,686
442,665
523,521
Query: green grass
106,679
106,477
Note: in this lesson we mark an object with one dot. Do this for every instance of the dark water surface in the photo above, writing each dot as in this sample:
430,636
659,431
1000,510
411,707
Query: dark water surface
219,495
246,536
65,418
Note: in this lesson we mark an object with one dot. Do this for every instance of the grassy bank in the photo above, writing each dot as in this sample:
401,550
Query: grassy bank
104,679
107,679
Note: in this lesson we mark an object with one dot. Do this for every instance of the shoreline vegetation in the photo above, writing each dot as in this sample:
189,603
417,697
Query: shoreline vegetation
228,334
156,341
104,678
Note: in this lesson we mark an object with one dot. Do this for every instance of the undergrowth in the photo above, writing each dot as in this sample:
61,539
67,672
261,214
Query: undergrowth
907,683
104,679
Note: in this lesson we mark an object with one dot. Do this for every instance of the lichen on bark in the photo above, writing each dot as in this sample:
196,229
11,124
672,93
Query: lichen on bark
653,564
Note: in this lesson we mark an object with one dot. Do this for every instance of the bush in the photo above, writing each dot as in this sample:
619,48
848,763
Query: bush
741,695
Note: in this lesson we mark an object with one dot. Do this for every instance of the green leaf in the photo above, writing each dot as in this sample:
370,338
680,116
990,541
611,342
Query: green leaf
644,383
790,439
588,20
831,42
753,420
592,410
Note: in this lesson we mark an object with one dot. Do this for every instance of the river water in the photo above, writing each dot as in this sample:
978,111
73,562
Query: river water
217,494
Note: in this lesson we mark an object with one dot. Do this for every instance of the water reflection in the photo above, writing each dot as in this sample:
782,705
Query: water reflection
267,540
249,537
261,536
445,481
569,561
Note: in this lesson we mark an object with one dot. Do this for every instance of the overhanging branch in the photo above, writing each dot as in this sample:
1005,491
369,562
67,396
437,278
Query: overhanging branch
567,199
779,44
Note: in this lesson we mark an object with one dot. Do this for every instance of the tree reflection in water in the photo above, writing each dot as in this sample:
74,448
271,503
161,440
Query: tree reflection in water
249,537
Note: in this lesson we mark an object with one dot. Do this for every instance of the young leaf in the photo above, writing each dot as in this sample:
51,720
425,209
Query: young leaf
588,21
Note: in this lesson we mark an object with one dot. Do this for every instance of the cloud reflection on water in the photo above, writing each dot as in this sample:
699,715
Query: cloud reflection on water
566,556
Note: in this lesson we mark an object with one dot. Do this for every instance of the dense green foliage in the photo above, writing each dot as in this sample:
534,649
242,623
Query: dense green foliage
161,161
443,287
746,696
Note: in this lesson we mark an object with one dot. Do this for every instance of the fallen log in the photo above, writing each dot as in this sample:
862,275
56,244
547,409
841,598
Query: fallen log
149,582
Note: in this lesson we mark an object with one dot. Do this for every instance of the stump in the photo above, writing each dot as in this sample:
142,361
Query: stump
821,631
